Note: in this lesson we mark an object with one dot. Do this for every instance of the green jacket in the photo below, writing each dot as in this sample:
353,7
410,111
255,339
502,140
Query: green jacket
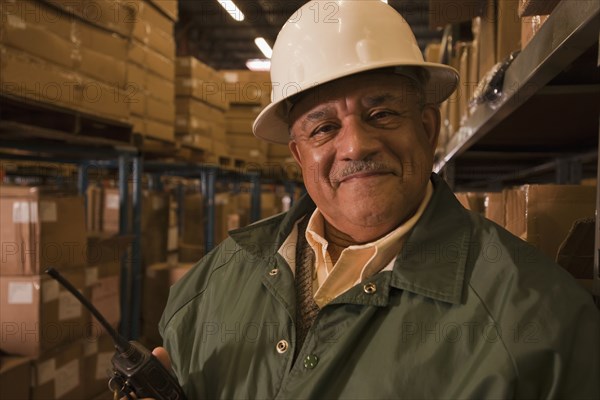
469,311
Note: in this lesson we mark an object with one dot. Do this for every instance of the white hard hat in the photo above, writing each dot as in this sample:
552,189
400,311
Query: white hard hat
327,40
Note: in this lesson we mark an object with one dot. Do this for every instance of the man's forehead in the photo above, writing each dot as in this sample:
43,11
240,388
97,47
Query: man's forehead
366,92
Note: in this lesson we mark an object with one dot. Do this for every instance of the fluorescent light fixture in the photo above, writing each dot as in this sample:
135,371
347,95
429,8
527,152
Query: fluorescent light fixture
232,9
258,64
384,1
264,46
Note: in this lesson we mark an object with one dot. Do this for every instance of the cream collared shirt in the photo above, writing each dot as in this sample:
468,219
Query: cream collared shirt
356,263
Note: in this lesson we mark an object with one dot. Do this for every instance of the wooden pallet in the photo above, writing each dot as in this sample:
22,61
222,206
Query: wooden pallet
58,123
154,148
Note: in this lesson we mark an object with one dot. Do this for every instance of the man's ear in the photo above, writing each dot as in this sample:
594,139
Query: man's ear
293,146
431,119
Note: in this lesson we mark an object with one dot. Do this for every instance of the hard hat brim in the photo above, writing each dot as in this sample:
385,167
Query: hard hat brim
272,123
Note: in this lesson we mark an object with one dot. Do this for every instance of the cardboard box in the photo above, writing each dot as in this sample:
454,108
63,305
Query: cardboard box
39,229
242,87
97,354
198,80
104,293
192,231
443,12
146,58
473,201
494,207
114,15
190,253
508,34
155,227
31,77
102,277
529,28
57,374
23,29
28,76
169,7
543,214
199,141
160,130
15,377
484,34
110,210
536,7
158,280
38,314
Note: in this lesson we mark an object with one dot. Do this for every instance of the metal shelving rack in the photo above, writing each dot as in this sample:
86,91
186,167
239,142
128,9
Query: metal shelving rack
552,87
68,137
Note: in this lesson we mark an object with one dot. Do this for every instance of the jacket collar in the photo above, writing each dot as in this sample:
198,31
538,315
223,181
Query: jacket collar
433,258
265,237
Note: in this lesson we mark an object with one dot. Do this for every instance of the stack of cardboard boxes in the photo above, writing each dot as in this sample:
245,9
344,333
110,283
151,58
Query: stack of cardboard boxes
499,28
542,215
39,318
200,106
110,58
151,69
247,93
67,53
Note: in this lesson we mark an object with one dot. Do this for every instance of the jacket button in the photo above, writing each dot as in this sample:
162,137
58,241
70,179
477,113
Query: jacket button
282,346
273,272
370,288
311,361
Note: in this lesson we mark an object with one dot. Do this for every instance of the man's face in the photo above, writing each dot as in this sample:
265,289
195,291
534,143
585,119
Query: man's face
365,147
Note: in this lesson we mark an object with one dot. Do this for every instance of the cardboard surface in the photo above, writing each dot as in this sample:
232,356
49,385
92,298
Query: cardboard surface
96,361
114,15
57,374
157,282
530,26
508,33
536,7
38,314
15,377
543,214
494,207
443,12
39,229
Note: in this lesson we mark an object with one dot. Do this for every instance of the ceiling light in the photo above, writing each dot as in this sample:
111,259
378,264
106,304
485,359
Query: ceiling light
258,64
264,47
232,9
384,1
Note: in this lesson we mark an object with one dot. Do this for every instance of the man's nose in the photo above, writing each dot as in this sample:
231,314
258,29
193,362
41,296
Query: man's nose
356,141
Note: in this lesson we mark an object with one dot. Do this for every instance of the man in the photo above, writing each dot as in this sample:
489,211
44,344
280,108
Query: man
378,284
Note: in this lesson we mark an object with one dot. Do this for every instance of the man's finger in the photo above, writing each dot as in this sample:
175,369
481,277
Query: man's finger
163,356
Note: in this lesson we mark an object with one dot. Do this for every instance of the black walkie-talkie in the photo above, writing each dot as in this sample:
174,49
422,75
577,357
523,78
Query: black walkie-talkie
135,369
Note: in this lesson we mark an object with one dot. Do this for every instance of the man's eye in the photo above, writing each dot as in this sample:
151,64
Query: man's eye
381,114
324,129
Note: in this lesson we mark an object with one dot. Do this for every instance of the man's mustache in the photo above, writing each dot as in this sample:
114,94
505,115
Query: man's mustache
356,167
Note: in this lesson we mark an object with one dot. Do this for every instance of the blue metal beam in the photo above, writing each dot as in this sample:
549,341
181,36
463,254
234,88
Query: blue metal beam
136,249
124,230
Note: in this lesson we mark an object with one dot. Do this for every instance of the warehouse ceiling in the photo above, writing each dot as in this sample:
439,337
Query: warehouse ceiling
205,30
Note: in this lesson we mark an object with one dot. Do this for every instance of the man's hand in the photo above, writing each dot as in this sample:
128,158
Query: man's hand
165,360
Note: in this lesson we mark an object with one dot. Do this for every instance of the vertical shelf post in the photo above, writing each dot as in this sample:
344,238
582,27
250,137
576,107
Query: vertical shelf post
208,176
255,202
136,248
125,327
83,182
596,281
